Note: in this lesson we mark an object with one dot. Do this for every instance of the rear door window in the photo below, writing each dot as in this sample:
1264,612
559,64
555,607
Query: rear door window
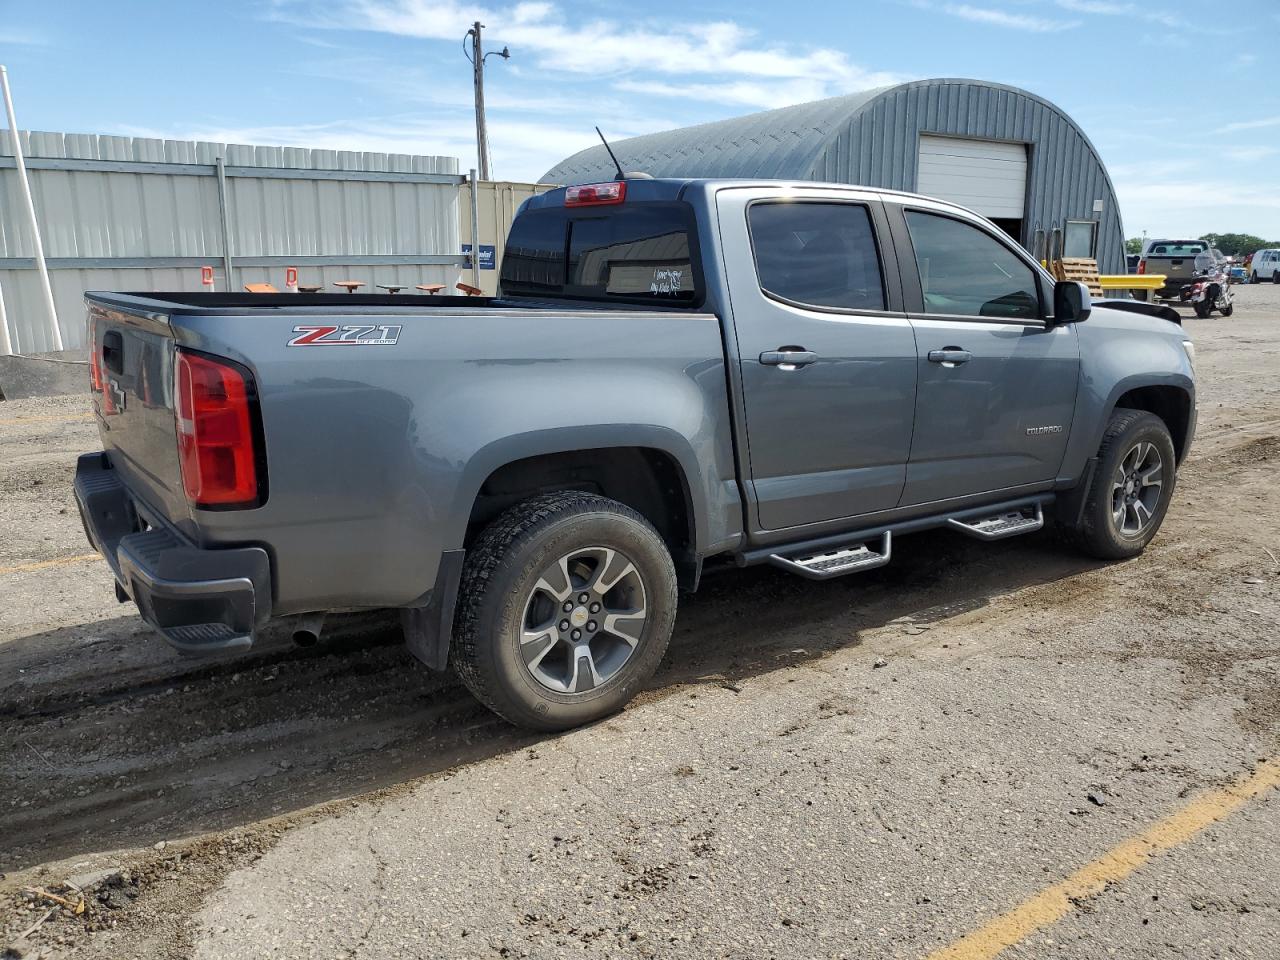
638,253
817,254
964,271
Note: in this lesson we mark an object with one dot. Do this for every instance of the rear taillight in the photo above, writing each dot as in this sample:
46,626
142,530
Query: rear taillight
106,405
1142,266
595,194
95,359
217,440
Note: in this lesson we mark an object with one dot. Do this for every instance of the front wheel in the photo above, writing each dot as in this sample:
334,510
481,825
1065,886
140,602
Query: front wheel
1131,487
1253,276
565,609
1229,309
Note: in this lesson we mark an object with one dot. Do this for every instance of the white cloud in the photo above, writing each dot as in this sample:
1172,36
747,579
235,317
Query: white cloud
22,38
1249,125
598,46
752,93
1191,207
1249,154
1142,12
531,129
1003,18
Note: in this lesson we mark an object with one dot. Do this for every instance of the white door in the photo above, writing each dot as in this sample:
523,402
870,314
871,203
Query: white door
987,176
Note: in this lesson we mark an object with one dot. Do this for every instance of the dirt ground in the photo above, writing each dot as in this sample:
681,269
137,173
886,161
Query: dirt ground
870,767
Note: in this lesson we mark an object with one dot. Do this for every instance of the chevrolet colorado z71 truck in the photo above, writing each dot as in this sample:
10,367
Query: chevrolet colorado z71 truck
676,375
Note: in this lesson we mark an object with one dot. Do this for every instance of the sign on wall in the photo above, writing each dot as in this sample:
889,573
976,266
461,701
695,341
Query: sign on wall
488,254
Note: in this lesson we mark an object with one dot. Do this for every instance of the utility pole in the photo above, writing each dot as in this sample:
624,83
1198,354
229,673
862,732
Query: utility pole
25,184
477,57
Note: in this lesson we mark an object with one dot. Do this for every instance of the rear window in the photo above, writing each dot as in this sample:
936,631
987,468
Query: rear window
639,253
819,254
1172,248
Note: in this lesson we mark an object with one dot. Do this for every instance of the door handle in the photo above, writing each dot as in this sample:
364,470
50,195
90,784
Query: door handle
790,358
950,356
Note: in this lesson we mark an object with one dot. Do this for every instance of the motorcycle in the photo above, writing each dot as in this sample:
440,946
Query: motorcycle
1210,288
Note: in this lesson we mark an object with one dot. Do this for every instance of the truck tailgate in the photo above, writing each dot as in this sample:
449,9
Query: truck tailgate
1173,268
131,372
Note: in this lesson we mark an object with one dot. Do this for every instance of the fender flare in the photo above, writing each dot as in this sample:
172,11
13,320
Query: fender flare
1136,382
552,441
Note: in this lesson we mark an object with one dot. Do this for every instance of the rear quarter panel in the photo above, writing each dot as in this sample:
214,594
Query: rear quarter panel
376,453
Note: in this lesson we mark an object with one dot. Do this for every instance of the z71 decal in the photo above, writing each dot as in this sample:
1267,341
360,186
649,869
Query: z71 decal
348,335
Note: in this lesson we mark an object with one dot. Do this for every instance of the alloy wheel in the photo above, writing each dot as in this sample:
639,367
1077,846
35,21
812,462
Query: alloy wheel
583,619
1136,487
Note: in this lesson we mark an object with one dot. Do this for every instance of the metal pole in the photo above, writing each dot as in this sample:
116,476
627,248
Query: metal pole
226,223
482,134
6,345
21,164
475,230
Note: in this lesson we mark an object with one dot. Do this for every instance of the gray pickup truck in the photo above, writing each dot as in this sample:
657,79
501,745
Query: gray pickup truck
678,376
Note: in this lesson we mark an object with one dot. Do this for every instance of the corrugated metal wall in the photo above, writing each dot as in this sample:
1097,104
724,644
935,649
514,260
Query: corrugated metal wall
124,213
499,201
1065,179
872,138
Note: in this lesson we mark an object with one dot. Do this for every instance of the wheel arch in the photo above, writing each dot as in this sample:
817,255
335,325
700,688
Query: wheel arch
651,469
1173,403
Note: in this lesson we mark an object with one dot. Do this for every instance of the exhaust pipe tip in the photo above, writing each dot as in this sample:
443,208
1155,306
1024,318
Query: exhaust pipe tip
307,629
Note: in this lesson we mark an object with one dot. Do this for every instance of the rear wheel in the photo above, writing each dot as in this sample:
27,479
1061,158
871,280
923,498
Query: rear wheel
1131,487
1275,276
1203,308
566,607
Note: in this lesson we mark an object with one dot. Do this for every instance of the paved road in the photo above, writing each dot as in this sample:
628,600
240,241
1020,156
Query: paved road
1067,759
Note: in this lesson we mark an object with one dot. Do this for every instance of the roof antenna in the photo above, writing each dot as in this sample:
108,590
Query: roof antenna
621,175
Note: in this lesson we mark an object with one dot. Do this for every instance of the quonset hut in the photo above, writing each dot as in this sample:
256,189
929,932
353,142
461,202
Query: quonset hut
1008,154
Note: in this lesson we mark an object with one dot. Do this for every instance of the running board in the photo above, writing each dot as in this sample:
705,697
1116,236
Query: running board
998,526
836,562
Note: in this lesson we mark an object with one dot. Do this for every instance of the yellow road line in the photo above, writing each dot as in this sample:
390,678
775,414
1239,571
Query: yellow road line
55,562
1053,903
63,419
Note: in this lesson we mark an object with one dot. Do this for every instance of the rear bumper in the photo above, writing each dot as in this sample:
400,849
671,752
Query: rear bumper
200,600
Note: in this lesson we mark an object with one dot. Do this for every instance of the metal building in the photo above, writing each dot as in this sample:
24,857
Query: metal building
130,213
1008,154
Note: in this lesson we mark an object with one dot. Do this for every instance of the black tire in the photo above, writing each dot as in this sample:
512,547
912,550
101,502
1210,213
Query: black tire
500,579
1203,308
1275,276
1253,276
1098,533
1228,310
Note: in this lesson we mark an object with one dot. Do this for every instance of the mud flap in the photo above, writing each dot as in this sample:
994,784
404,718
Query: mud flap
428,626
1070,503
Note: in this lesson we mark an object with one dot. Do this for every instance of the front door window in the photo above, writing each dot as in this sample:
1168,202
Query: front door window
965,272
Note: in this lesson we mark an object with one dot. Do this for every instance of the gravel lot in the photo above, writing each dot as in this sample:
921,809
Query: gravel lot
871,767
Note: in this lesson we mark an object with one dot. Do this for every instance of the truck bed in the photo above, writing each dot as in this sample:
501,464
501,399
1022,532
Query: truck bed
369,455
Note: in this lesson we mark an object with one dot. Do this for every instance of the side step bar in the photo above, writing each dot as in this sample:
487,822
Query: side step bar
1001,525
834,556
838,561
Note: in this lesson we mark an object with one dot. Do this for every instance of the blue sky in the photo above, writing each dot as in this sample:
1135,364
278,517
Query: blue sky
1182,99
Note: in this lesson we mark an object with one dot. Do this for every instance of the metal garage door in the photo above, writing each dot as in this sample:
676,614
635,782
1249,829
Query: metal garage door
984,175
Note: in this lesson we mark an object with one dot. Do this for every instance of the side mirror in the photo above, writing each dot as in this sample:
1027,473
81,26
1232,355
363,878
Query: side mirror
1071,302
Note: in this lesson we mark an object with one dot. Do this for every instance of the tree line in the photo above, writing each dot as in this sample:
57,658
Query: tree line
1231,244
